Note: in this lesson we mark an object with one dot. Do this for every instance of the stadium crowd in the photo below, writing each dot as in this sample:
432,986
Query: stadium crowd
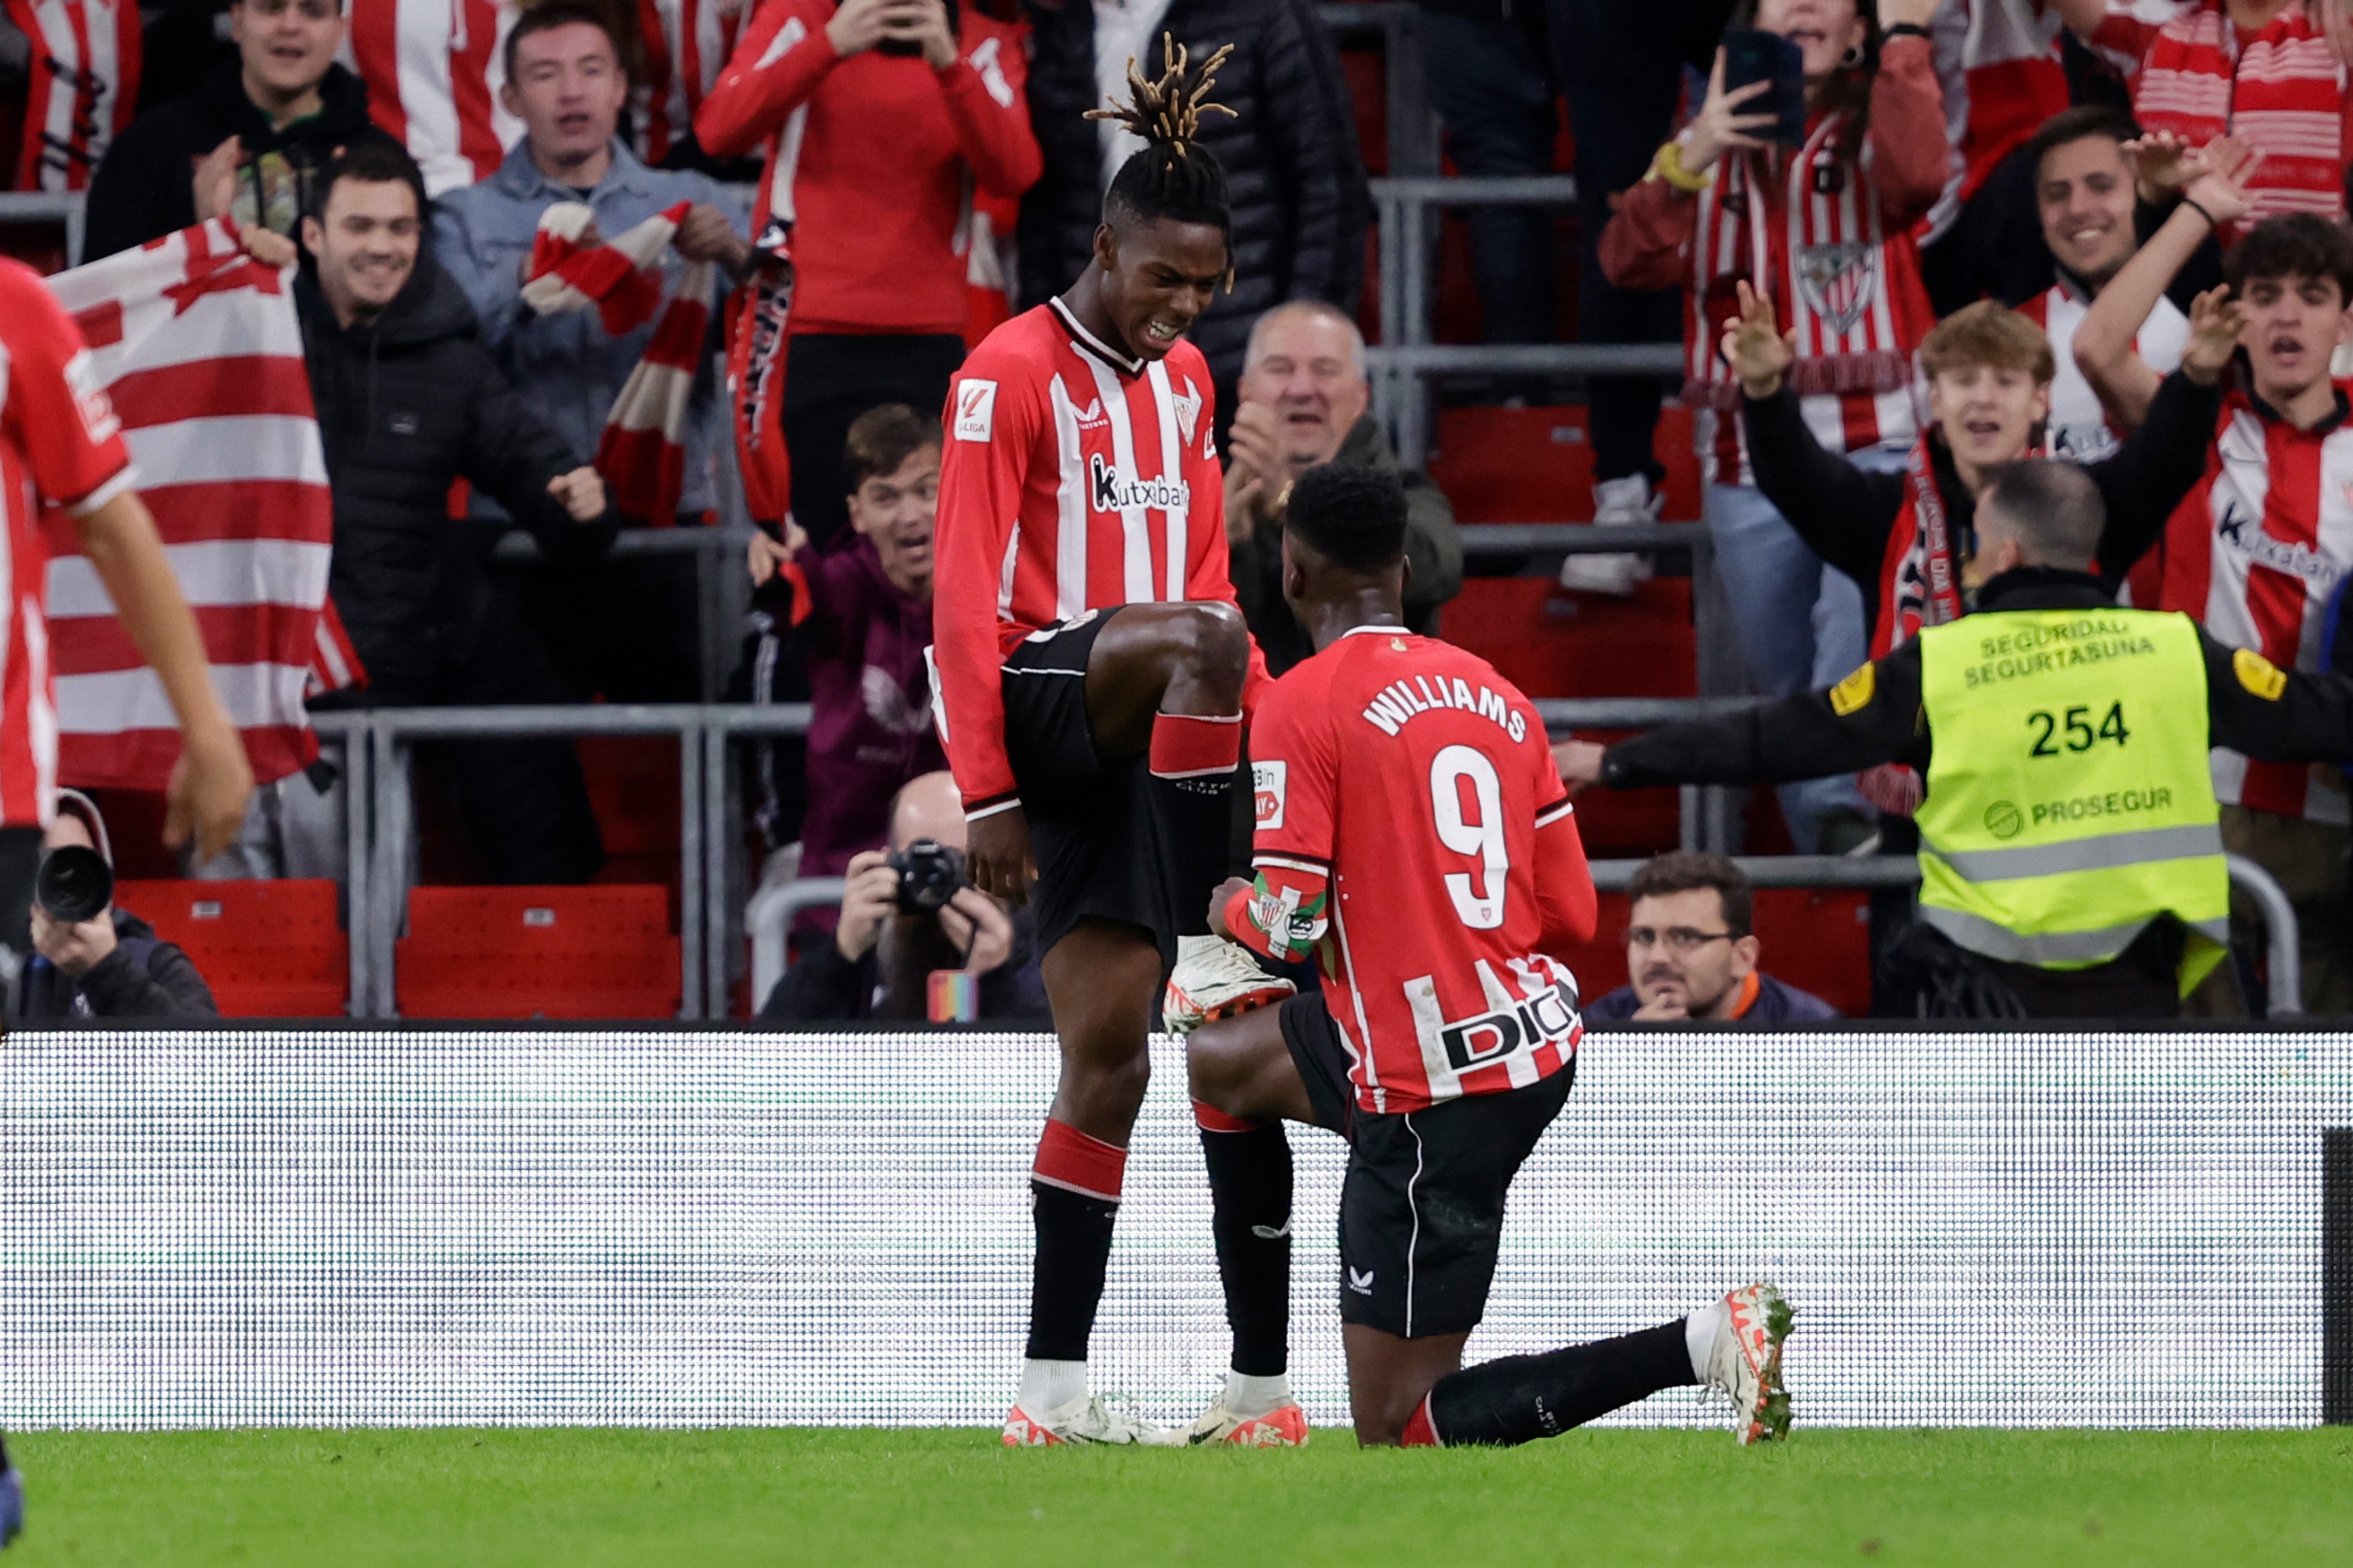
582,267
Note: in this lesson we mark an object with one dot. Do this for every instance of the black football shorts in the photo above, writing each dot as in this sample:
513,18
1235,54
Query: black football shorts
1421,1212
1091,822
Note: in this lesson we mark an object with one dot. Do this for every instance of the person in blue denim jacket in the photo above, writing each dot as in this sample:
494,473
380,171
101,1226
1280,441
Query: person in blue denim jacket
622,629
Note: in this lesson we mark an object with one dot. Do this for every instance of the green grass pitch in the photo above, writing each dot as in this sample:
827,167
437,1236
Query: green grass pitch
577,1498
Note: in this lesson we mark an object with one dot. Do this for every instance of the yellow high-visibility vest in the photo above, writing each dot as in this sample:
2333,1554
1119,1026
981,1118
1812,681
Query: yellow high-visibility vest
2069,802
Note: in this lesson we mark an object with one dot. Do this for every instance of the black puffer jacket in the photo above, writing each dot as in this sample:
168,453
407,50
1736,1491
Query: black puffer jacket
407,404
144,187
1300,204
143,977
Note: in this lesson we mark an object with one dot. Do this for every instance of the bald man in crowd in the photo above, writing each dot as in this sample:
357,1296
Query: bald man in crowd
1304,402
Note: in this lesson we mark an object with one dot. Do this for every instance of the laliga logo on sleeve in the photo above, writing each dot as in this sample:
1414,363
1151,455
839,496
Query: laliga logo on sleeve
97,410
1266,793
976,410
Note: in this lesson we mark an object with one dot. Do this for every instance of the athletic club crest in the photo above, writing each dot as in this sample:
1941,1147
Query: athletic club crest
1188,408
1837,281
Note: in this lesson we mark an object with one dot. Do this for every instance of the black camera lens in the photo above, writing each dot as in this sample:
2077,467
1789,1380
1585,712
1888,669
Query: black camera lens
929,874
74,884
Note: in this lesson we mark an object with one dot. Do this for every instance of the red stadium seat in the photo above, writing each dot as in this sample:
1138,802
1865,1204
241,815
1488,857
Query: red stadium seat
269,950
1536,465
538,953
1551,642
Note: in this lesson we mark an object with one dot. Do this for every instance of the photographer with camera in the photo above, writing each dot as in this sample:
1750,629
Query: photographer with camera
91,960
907,915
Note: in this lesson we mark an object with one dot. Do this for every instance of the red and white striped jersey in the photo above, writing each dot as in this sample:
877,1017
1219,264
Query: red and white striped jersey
1808,230
1075,478
686,43
60,444
2253,553
1405,792
1998,63
875,162
2079,429
84,85
433,70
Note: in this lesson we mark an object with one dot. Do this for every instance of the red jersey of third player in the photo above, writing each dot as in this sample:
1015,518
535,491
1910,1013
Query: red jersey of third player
1075,478
1443,854
60,441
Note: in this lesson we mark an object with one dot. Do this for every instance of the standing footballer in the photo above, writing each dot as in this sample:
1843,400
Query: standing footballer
1091,670
61,443
1414,835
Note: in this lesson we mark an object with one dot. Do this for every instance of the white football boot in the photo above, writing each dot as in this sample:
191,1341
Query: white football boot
1086,1419
1285,1427
1213,979
1745,1361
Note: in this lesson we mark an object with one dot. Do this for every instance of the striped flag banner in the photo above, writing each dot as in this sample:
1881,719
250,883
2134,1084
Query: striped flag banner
199,348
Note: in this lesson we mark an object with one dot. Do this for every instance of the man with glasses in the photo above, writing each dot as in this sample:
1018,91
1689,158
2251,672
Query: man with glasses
1691,952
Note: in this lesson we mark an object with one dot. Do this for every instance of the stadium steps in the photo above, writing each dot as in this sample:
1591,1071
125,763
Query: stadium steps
1526,465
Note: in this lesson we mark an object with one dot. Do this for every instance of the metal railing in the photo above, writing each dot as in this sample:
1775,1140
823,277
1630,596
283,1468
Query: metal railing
1404,363
1411,124
375,746
772,913
65,209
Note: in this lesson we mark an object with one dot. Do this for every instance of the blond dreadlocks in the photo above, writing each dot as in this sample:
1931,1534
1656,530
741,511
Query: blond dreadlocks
1173,176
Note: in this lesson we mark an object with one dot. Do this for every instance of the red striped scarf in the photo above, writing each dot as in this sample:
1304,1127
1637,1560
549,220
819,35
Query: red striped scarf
643,453
1850,292
2284,93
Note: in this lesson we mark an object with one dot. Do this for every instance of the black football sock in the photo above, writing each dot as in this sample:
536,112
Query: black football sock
1249,1198
1074,1186
1523,1397
1193,762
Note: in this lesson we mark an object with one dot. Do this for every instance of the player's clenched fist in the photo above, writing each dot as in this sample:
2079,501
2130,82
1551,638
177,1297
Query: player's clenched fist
1218,903
1579,762
997,858
581,491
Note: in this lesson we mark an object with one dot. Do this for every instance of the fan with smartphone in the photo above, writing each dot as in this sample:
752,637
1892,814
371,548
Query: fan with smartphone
1750,56
899,45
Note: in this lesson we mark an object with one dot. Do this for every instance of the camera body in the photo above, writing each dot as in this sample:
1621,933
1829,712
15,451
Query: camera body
929,874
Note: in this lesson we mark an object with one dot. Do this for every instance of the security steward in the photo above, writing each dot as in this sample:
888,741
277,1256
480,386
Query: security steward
2070,859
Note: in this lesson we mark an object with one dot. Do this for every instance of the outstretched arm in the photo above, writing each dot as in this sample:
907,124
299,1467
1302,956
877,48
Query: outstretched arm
2273,714
1873,716
2105,350
1842,512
